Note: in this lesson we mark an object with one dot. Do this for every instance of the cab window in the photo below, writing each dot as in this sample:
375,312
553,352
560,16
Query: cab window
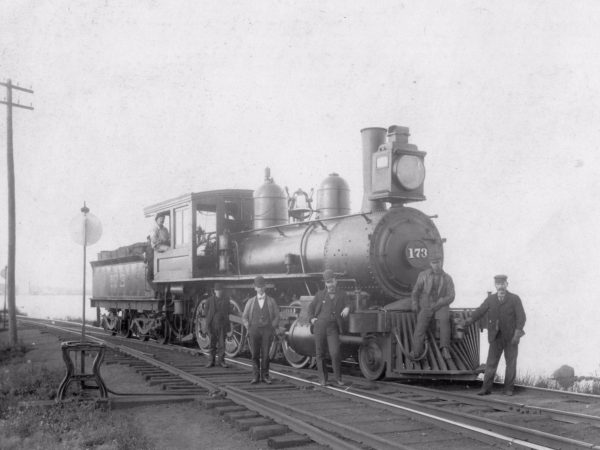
206,236
183,226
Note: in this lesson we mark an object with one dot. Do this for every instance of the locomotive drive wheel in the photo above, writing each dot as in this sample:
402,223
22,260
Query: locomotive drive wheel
371,360
235,339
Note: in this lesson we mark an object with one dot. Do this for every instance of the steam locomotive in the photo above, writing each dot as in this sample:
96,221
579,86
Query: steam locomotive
232,235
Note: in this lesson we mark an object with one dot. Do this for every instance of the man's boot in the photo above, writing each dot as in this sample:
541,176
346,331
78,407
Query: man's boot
322,371
222,362
211,362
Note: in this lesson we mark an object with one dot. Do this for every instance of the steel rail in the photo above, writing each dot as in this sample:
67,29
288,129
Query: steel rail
248,400
554,391
257,403
504,405
370,397
547,439
523,433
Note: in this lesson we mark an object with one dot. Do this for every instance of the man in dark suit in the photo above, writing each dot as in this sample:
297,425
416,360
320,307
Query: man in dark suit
218,308
326,312
505,322
261,317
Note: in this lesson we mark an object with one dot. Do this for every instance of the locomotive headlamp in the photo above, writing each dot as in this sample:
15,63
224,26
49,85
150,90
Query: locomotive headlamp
409,171
397,169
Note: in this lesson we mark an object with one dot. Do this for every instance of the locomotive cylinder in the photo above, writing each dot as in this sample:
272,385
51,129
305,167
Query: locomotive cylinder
302,340
333,197
270,204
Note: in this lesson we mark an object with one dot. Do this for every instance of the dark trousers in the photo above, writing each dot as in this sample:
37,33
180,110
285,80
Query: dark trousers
327,337
217,341
260,339
511,351
424,318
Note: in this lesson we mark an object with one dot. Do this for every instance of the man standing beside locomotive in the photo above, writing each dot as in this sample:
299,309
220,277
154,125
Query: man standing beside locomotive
261,317
159,236
506,319
326,311
431,297
217,323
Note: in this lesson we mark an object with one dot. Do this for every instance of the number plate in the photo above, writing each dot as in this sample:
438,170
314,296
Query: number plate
416,253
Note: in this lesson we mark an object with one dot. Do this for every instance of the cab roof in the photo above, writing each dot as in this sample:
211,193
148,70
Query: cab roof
207,198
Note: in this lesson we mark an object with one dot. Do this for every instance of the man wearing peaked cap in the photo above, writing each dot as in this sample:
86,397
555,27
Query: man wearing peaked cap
326,312
431,297
261,317
506,319
218,307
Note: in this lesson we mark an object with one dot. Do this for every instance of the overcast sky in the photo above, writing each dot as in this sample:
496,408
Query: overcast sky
136,102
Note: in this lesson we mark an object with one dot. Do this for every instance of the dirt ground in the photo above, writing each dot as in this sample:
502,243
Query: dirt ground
171,426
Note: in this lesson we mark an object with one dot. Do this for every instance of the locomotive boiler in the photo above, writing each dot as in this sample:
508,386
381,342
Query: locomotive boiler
233,235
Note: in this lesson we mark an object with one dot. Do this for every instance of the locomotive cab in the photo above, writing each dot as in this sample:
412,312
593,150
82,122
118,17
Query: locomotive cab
199,225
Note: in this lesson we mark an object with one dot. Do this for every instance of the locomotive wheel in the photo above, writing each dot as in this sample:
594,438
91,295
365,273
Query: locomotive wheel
273,348
164,333
123,327
200,328
110,322
125,332
294,359
235,339
138,331
371,360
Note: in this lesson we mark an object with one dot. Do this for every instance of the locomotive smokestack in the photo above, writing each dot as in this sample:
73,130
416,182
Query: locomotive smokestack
372,138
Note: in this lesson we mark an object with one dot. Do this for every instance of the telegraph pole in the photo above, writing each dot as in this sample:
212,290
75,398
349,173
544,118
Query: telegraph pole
10,169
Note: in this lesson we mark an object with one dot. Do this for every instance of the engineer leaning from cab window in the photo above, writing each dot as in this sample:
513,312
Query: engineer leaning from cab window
506,319
431,297
159,236
326,312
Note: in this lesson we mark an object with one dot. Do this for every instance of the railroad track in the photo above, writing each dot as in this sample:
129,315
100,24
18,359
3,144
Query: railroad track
380,415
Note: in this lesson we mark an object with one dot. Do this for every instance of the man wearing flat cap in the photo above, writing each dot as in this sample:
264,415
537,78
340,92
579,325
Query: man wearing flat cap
431,297
218,308
261,317
326,312
505,322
